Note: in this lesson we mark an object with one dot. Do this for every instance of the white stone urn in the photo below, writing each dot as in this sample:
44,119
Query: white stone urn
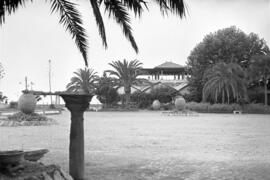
180,103
156,105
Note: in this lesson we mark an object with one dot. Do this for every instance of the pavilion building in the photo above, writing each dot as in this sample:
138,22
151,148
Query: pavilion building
167,72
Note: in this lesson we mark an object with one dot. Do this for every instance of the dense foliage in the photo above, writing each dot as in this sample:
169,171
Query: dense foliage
83,81
259,70
227,108
127,73
105,91
224,83
143,100
229,45
164,94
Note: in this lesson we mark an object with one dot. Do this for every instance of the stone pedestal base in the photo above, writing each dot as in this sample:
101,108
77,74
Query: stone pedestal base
35,171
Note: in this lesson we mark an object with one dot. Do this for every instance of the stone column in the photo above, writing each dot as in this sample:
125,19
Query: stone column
76,104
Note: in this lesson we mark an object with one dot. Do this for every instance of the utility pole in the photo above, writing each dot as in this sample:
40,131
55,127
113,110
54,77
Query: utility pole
26,84
50,83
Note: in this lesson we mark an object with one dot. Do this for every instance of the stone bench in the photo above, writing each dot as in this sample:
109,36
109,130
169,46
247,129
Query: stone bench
237,112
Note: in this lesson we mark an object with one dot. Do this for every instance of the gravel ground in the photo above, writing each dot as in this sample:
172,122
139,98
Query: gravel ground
150,145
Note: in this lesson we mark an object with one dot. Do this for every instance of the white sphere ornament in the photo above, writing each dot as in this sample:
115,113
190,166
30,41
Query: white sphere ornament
156,105
27,103
180,103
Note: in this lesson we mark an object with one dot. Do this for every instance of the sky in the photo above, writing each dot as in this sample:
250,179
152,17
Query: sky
32,36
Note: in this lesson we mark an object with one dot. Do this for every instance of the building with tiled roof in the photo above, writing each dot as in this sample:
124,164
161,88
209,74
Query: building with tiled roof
167,71
167,74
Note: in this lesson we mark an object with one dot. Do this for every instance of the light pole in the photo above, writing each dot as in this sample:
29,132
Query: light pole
50,82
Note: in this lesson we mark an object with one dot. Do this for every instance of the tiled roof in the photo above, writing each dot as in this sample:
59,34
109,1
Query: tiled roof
168,64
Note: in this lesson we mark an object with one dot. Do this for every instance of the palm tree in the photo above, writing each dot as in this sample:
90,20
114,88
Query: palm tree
127,74
117,9
3,98
224,81
259,70
83,81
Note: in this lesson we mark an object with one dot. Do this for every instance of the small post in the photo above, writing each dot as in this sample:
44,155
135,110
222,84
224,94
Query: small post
76,104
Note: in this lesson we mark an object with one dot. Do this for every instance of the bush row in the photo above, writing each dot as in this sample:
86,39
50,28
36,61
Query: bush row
227,108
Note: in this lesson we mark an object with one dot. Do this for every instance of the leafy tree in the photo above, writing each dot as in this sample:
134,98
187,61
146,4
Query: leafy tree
259,70
224,81
225,45
164,94
127,74
83,81
106,93
117,9
142,99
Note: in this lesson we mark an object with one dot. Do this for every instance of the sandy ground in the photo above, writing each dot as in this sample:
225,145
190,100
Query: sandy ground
149,145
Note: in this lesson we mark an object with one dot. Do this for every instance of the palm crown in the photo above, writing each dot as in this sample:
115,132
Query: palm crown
117,9
224,80
127,74
83,80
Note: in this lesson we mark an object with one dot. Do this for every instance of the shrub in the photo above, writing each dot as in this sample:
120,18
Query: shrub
227,108
13,104
142,99
212,108
256,109
167,106
52,106
199,107
223,108
107,95
164,94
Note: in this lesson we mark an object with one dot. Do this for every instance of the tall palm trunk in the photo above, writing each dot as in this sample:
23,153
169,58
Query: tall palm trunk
127,98
223,97
265,92
127,90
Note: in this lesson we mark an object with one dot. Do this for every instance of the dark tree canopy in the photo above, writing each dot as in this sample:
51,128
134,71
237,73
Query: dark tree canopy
259,71
105,91
229,45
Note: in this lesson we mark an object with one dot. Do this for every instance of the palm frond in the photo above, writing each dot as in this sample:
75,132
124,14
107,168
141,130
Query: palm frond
119,12
71,19
99,21
224,80
9,6
84,79
174,6
135,6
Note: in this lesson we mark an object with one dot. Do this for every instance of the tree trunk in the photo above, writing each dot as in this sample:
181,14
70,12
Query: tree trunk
127,99
127,90
265,93
223,97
